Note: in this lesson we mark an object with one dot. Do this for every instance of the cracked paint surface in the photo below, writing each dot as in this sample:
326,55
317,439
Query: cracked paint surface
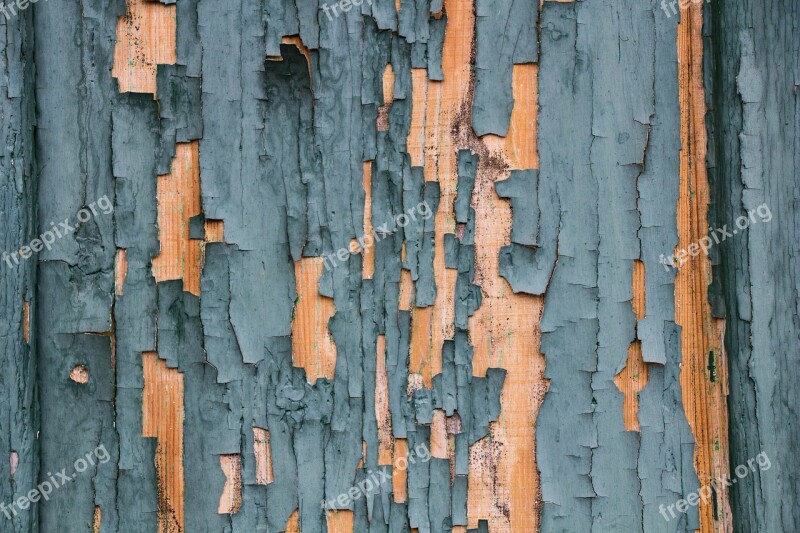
248,356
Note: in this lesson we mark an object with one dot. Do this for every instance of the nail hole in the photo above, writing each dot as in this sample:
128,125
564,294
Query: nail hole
80,374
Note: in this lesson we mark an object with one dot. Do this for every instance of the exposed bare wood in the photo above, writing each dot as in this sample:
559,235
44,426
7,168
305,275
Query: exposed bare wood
120,270
231,499
178,201
704,395
633,378
368,265
312,343
263,455
26,321
338,522
145,38
400,475
162,418
215,231
382,414
79,374
505,332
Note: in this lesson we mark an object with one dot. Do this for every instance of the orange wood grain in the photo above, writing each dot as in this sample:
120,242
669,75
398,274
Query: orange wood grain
439,437
445,129
631,381
633,378
162,418
515,147
503,483
312,344
145,39
639,302
214,230
382,120
339,522
704,400
178,201
416,134
400,475
368,264
388,84
293,524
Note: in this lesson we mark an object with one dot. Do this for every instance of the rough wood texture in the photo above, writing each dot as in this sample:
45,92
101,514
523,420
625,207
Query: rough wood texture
398,266
704,387
752,74
19,458
162,418
145,39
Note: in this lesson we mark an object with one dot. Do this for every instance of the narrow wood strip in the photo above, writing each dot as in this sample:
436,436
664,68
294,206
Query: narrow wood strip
312,344
178,201
263,455
230,500
504,478
704,395
162,418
